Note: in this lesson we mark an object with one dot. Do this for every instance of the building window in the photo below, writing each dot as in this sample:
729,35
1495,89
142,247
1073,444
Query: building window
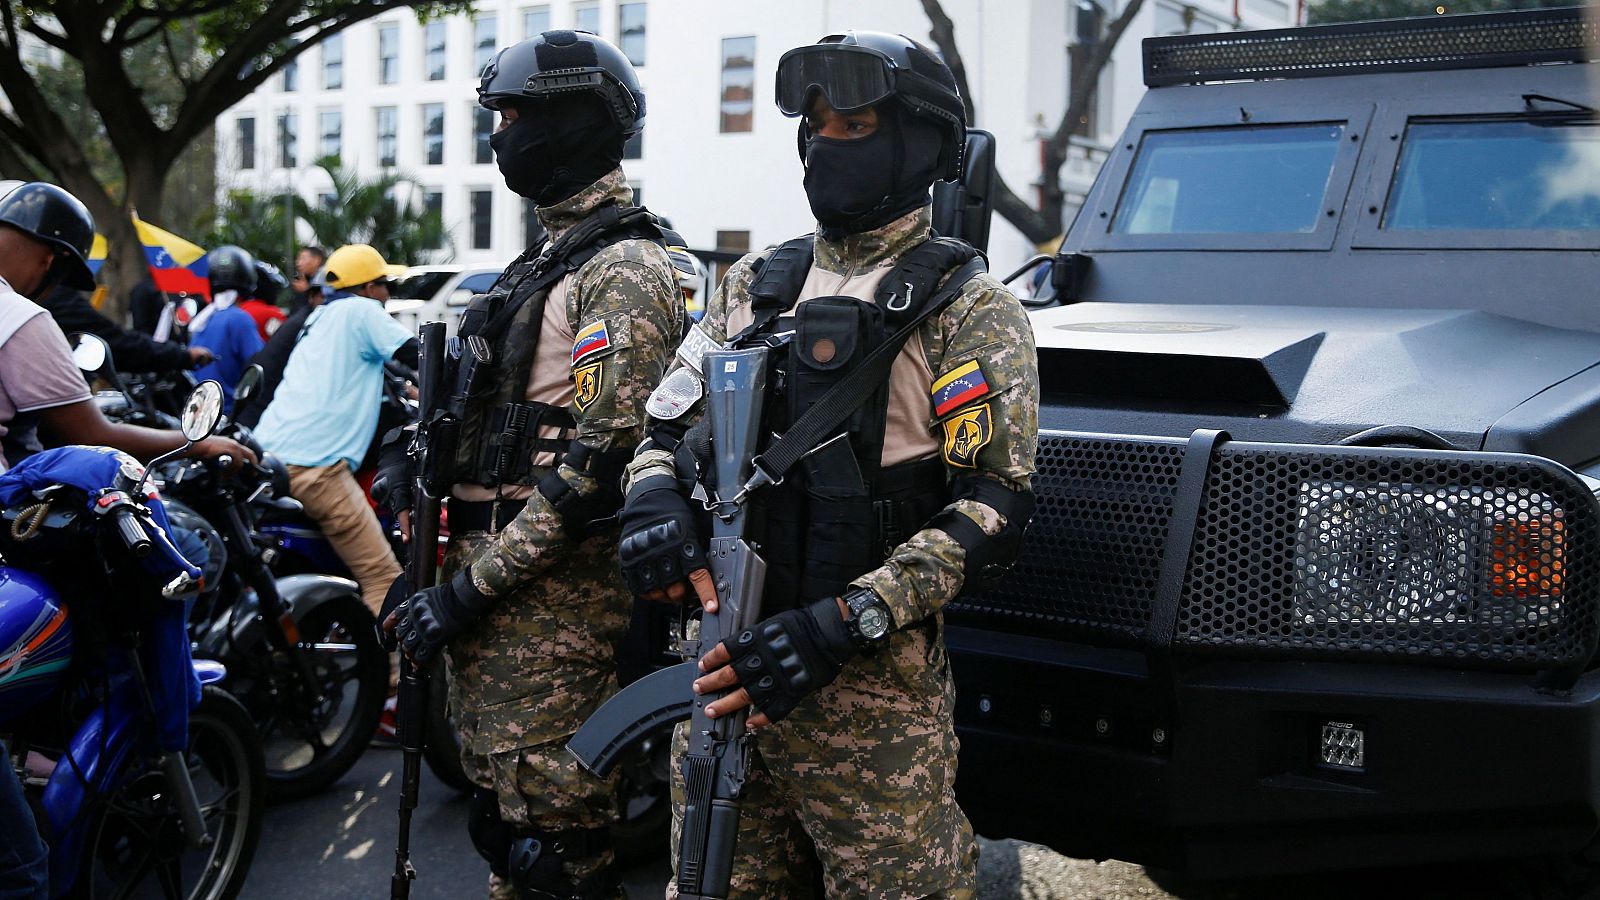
287,126
433,133
482,218
388,53
535,20
483,42
738,84
247,142
327,200
638,193
730,242
482,130
330,125
333,63
433,57
587,17
630,25
433,205
634,148
291,75
387,143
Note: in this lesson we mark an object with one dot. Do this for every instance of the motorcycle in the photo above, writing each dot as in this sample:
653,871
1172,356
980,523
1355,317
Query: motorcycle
300,650
143,773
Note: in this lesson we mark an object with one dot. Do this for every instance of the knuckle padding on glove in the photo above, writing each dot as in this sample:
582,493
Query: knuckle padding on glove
790,655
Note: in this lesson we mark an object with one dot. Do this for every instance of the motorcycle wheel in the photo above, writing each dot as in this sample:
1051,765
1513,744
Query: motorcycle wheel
307,747
135,845
441,746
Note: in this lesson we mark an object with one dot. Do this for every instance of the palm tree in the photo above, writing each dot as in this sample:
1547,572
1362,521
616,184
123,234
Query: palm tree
364,211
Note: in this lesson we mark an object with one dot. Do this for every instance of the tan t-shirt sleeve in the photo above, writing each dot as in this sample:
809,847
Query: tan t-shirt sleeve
36,369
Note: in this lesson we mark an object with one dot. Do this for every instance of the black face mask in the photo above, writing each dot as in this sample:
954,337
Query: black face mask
556,149
859,184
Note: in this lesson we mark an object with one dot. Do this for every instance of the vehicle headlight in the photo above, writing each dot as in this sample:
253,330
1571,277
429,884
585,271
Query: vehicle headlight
1408,555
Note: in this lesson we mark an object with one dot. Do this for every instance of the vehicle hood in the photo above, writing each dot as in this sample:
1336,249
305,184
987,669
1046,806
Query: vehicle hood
1316,375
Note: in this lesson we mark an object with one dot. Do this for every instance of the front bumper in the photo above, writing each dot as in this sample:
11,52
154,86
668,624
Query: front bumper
1212,769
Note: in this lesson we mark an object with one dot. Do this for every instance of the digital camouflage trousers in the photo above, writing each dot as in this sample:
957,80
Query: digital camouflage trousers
859,780
526,675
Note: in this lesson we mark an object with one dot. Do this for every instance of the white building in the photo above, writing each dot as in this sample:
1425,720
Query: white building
716,156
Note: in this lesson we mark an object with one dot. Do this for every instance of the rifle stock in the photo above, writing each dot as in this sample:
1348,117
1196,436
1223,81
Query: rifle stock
715,766
429,447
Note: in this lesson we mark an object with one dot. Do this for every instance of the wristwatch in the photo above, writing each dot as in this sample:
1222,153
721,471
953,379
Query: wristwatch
870,620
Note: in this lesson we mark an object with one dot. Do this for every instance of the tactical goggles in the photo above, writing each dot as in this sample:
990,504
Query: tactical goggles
852,78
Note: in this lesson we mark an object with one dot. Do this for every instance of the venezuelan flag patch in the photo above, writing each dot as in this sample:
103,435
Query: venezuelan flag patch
591,340
958,387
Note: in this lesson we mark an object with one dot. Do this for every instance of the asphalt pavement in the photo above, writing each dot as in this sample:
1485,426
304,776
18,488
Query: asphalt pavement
341,845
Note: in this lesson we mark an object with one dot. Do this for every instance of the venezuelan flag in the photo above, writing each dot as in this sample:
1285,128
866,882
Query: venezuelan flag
958,387
176,265
591,339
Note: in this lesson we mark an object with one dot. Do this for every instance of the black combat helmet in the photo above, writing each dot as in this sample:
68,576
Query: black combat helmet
50,214
230,268
565,62
270,283
859,69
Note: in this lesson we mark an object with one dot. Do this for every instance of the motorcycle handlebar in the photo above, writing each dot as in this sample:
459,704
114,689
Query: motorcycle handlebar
132,532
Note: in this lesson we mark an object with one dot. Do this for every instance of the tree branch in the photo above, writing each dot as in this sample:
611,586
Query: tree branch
1084,87
49,37
943,34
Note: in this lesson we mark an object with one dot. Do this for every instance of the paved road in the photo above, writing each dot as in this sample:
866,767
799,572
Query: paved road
341,845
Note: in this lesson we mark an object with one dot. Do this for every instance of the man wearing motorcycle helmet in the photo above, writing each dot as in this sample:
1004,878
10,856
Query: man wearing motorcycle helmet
925,493
45,235
223,327
534,606
262,303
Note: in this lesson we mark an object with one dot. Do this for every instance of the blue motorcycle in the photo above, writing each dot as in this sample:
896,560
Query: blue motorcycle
145,778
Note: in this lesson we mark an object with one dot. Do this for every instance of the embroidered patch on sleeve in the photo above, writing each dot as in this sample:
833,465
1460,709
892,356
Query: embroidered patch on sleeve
958,387
586,384
965,434
591,340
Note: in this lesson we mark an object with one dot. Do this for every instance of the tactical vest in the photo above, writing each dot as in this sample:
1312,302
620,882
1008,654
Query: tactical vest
839,514
490,359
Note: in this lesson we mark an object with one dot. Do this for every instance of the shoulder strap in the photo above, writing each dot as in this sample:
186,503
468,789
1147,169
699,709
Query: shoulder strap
917,276
779,276
848,395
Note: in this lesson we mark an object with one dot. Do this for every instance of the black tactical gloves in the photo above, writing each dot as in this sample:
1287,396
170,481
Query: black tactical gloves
660,541
391,486
786,657
430,618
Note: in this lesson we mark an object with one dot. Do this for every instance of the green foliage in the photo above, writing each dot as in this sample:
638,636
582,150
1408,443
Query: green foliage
1324,12
362,212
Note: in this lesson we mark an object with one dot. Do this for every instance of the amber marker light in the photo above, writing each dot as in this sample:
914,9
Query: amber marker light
1528,555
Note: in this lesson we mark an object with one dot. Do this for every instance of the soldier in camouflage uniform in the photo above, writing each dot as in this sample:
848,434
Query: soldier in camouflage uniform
854,762
533,605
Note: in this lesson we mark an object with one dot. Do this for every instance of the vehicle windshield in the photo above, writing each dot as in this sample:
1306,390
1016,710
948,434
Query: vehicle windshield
420,286
1238,180
1518,175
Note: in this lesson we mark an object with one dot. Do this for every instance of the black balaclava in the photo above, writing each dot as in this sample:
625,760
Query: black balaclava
557,147
859,184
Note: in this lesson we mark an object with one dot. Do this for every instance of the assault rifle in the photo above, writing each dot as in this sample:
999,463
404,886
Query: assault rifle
714,768
433,445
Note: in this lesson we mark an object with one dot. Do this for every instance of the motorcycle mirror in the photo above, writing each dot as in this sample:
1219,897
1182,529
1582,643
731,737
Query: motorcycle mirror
89,352
202,411
248,382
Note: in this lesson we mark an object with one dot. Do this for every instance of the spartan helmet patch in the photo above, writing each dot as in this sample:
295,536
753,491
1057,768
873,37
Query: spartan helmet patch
965,433
586,384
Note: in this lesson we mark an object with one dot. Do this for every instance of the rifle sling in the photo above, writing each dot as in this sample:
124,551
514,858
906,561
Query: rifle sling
844,398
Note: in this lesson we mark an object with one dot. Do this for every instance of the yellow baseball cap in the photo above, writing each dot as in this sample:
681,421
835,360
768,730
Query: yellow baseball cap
356,264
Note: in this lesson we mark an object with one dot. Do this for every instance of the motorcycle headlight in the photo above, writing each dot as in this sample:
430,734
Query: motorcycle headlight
1407,555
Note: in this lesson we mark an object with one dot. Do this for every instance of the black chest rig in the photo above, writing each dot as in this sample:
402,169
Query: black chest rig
839,513
490,359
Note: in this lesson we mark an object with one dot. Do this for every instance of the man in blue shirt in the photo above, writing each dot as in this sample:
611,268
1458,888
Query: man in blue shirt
325,410
223,327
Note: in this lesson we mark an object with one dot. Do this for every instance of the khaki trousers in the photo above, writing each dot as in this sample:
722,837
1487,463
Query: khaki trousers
334,500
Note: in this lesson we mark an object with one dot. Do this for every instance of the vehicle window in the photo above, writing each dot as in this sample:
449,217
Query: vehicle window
420,286
1238,180
478,283
1519,175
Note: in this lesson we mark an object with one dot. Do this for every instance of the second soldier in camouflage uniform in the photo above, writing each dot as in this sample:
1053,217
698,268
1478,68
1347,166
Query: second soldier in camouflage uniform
579,335
857,767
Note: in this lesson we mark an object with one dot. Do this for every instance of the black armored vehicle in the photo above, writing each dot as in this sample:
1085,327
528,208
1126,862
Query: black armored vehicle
1314,581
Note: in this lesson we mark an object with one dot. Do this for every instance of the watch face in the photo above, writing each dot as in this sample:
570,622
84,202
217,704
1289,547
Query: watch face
873,622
